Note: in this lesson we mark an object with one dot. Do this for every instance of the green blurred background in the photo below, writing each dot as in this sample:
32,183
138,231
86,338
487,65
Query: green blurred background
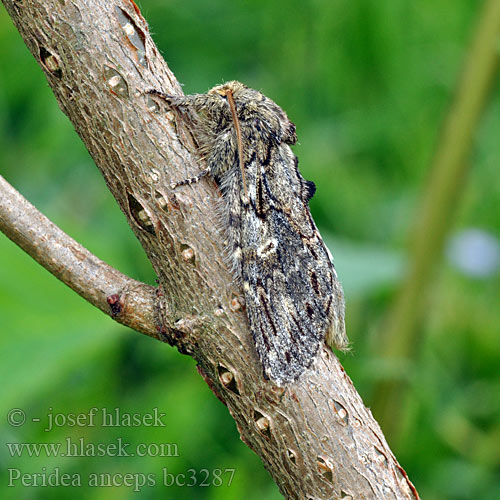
368,85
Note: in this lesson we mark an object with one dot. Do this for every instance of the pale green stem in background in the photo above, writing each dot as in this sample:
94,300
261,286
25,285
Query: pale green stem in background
434,217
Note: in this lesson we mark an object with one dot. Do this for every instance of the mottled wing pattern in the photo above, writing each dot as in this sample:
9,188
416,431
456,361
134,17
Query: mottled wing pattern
288,279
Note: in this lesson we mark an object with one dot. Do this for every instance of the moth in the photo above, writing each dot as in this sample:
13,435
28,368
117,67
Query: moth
293,297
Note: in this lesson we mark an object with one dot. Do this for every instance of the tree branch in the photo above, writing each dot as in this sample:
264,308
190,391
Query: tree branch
315,436
127,301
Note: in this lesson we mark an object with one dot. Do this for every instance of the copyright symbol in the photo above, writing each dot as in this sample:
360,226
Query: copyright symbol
16,417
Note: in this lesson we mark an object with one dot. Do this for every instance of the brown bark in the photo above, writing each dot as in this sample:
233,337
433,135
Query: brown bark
315,437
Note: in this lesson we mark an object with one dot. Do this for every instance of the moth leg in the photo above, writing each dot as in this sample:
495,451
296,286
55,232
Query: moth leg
172,100
193,102
191,180
177,101
160,94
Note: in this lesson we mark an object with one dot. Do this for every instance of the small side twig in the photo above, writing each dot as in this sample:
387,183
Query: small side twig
127,301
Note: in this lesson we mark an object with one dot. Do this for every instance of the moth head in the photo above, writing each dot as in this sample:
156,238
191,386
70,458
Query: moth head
214,108
251,106
238,89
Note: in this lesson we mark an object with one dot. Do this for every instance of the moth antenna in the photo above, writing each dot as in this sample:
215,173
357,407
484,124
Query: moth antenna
232,105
